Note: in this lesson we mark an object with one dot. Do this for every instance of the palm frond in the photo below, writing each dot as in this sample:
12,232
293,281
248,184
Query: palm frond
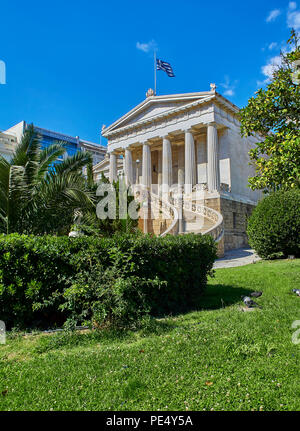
18,191
74,163
89,172
27,149
70,188
48,156
4,173
3,223
38,195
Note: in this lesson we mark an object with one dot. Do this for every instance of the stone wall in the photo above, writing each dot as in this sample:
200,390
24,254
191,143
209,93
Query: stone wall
155,224
235,215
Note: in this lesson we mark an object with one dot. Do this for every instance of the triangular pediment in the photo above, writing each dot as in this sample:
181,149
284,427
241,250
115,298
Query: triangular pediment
156,106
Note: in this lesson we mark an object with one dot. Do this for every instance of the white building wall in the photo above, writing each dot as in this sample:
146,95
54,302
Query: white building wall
201,159
7,145
236,148
17,130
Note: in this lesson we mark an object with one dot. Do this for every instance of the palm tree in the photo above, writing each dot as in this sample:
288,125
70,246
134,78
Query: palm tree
38,195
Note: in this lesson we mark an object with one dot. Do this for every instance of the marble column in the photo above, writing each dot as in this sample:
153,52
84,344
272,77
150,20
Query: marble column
180,165
113,174
159,171
146,167
189,162
213,175
146,183
166,166
201,160
128,167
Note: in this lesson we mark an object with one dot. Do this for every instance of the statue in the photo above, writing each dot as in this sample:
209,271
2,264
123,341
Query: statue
76,232
150,93
213,87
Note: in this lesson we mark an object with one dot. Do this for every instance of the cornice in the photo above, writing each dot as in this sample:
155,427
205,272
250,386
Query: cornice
205,97
156,99
158,117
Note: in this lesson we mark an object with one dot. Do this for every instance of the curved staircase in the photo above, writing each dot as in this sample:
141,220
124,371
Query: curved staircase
182,216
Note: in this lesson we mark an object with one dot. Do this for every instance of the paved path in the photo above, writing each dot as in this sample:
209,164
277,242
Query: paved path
238,257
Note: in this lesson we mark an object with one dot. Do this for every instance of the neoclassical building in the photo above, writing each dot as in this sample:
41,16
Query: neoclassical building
189,142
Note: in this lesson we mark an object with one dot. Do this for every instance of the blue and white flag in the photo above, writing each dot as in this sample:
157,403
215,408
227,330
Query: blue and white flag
166,67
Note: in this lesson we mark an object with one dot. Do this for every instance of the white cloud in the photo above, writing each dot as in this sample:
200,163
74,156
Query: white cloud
229,92
293,16
293,21
272,45
262,83
270,68
273,14
147,47
229,87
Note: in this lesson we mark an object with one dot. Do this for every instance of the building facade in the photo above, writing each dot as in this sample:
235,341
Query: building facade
48,137
189,142
103,167
7,145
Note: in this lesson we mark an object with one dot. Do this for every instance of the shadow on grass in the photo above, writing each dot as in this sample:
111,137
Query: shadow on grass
221,295
215,297
108,336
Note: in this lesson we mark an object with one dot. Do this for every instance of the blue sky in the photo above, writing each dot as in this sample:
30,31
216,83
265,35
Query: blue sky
72,66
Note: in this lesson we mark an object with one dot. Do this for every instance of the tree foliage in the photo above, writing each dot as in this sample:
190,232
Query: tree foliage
90,224
274,114
39,195
274,226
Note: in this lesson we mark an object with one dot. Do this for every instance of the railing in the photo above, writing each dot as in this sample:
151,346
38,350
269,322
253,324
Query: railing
166,207
170,209
217,230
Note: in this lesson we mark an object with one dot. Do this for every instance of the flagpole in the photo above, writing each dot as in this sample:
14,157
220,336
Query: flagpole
154,72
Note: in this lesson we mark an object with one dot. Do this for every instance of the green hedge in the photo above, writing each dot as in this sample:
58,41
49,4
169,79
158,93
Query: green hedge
45,280
274,226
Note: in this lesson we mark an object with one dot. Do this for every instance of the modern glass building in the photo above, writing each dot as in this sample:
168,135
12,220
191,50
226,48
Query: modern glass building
48,137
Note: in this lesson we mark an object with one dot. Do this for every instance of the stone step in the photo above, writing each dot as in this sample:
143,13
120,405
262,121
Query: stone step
198,227
192,222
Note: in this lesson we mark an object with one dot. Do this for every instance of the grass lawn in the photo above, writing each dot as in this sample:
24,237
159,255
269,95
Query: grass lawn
219,358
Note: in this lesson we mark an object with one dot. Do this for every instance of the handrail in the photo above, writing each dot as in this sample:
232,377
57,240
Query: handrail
217,230
165,206
171,209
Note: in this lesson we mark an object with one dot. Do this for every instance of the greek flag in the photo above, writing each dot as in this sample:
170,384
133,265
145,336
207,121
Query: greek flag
166,67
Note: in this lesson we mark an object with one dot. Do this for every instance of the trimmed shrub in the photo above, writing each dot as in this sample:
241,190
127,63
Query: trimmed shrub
108,298
45,280
274,226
